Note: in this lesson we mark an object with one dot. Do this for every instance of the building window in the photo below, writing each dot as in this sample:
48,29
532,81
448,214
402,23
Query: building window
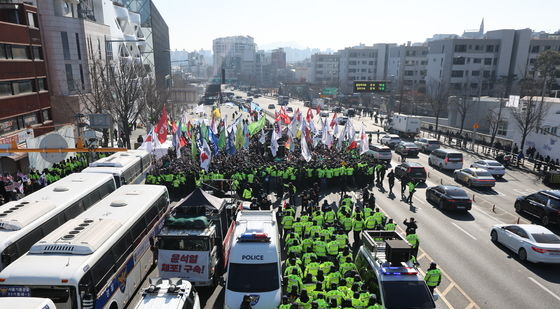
42,84
408,73
487,61
474,85
20,52
65,46
32,20
475,73
82,77
78,46
486,74
535,49
22,86
477,60
460,48
69,77
10,16
458,60
457,73
46,115
37,53
502,128
5,89
30,119
8,125
3,52
489,48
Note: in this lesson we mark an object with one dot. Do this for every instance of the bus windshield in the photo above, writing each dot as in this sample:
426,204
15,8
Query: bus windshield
189,244
64,297
262,278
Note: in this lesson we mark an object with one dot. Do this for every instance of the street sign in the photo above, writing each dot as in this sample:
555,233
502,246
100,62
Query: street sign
370,86
330,91
475,125
53,140
100,121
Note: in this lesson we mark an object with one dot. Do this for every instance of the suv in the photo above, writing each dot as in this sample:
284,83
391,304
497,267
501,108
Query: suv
407,149
380,152
172,293
412,170
544,205
390,140
427,145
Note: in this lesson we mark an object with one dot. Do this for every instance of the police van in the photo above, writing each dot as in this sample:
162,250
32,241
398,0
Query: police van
254,265
173,293
383,263
26,303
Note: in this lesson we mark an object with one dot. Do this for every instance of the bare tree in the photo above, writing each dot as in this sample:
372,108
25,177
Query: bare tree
529,115
437,94
125,86
546,65
152,99
494,119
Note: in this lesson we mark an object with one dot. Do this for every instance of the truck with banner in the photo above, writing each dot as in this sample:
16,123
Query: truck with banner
191,243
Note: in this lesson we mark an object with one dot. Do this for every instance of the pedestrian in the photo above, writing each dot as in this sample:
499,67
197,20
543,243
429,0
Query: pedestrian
403,187
391,178
433,277
410,224
411,189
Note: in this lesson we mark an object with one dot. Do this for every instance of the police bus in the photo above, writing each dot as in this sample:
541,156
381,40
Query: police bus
26,303
254,266
24,222
96,260
128,167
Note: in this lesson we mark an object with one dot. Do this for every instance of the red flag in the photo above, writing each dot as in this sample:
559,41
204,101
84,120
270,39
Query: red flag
161,127
183,141
174,128
318,109
353,145
189,129
297,114
333,121
309,115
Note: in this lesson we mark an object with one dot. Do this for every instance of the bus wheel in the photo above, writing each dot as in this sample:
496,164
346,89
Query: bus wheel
114,306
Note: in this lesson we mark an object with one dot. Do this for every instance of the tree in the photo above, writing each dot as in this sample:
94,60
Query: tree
529,115
547,64
152,99
494,119
436,94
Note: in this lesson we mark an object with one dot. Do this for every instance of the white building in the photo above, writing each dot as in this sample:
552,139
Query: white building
362,63
74,33
325,69
407,66
546,138
237,55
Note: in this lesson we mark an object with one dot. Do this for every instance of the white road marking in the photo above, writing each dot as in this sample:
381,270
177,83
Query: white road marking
544,288
462,230
522,192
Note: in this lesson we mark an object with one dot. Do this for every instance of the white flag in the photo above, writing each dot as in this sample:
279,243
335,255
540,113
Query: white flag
274,143
262,140
325,133
205,155
304,149
364,147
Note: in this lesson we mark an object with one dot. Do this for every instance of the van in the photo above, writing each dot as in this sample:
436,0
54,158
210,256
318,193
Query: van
380,152
173,293
447,159
254,262
26,302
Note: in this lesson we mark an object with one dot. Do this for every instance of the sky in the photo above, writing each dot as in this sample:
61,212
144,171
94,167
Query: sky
337,24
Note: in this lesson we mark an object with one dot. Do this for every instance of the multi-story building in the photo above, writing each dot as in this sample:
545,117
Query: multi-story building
325,69
156,55
237,56
25,109
278,59
407,66
362,63
76,35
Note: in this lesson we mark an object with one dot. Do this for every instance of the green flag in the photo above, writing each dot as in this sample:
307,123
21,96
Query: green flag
239,137
204,131
222,139
255,127
194,151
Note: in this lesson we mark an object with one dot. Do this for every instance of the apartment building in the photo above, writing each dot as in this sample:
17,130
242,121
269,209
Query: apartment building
407,66
237,56
325,69
362,63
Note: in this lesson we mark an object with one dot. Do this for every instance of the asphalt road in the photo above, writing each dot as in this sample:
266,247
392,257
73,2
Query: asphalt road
478,273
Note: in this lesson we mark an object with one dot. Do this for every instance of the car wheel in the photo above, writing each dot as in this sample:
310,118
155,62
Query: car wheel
455,178
441,205
522,254
469,184
545,220
494,236
517,207
440,167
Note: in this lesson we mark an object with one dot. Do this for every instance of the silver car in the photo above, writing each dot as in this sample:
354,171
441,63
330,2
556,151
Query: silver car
493,167
427,145
474,177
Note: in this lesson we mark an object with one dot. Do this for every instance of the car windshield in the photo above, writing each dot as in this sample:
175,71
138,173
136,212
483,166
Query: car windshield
483,173
554,203
417,295
455,155
254,278
418,171
493,164
456,193
433,142
545,238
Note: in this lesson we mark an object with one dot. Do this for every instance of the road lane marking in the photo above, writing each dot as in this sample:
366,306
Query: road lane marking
448,288
462,230
544,288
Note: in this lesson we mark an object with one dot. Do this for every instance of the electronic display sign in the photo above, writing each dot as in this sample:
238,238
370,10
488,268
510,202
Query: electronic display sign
370,86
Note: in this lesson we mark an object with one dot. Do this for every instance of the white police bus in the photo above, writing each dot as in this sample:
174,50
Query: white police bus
128,167
24,222
254,266
96,260
26,303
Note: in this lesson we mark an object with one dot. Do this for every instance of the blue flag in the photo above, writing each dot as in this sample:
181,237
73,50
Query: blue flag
214,140
230,147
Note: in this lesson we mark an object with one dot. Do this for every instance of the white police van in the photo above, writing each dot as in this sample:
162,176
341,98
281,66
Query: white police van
26,303
254,266
173,293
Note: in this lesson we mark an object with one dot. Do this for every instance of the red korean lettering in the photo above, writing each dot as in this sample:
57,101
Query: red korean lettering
175,258
193,259
185,258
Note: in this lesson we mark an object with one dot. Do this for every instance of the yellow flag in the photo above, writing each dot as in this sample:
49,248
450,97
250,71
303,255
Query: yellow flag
216,113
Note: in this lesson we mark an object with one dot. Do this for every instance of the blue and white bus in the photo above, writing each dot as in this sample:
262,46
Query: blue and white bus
26,221
97,260
128,167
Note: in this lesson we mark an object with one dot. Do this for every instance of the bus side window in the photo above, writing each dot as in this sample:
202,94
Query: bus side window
25,243
138,229
122,248
73,210
10,254
51,225
102,270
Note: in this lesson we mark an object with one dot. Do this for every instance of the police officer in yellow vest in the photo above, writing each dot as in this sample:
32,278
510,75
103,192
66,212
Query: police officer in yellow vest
413,240
433,277
247,194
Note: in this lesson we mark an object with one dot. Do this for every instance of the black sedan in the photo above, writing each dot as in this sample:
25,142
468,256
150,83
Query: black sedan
544,205
449,198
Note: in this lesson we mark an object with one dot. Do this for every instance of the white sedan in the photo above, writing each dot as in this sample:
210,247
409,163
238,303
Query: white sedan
493,167
533,243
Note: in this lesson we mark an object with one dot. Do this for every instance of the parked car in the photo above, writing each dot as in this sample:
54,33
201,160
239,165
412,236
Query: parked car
407,149
337,109
544,205
427,145
256,96
342,120
249,100
474,177
493,167
390,140
289,109
531,242
446,159
448,197
380,152
324,114
271,106
412,170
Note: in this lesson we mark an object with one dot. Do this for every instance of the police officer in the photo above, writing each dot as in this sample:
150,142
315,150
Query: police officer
390,226
411,189
413,240
433,277
391,178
